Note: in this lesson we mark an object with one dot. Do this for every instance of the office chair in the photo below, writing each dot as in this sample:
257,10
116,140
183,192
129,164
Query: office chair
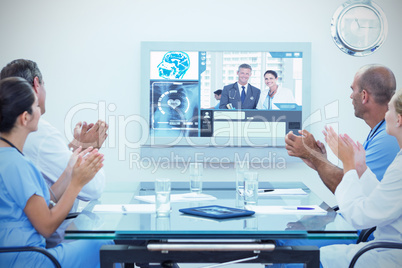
373,246
43,251
72,215
35,249
365,234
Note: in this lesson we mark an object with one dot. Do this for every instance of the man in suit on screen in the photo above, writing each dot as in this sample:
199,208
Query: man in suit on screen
240,95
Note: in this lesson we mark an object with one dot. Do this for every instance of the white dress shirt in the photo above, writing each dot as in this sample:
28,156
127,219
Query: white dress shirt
241,89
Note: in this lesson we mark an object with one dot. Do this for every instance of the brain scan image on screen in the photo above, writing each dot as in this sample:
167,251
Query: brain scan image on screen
174,65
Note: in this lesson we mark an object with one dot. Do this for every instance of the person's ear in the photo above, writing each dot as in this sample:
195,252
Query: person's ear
399,121
36,85
24,118
27,117
365,96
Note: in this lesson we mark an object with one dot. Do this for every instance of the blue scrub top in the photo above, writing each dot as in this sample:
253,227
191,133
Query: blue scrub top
381,149
19,180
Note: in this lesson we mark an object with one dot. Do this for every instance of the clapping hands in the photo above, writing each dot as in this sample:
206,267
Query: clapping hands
305,146
89,135
84,165
350,153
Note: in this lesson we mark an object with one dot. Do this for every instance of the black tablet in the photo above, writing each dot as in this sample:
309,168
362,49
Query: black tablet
218,212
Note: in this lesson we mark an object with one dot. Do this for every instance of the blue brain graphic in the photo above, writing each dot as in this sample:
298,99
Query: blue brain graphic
174,65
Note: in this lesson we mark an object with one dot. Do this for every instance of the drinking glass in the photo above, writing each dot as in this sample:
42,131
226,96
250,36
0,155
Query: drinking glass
250,188
162,197
196,170
241,167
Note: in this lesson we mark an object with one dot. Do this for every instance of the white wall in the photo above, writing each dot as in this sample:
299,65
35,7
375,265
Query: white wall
89,51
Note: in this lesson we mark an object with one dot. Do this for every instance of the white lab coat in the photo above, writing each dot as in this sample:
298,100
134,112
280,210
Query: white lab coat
283,95
365,203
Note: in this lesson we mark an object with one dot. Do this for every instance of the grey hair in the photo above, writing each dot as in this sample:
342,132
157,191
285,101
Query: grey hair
245,66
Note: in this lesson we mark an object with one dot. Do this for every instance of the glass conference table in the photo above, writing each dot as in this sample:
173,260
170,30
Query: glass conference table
181,238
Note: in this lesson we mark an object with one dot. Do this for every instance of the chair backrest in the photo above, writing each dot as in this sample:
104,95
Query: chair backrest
371,246
365,234
35,249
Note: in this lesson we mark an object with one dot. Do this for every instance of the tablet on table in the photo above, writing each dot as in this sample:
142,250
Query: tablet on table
218,212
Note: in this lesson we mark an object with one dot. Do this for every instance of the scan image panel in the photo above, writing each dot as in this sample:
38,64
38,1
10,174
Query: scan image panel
174,106
174,65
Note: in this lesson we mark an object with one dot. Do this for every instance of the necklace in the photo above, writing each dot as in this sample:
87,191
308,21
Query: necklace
9,143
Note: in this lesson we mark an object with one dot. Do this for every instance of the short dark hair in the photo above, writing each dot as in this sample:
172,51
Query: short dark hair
245,66
16,97
26,69
218,92
379,81
271,72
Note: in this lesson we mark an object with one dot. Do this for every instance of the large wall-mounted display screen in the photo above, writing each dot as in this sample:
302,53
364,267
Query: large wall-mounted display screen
193,92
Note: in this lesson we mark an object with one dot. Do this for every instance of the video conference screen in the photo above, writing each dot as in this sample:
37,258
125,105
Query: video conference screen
196,93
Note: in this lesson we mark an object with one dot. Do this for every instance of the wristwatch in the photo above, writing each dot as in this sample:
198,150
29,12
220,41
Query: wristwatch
359,27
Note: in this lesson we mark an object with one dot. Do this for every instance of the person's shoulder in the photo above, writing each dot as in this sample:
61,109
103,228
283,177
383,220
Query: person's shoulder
9,154
264,91
398,158
382,134
12,159
384,142
285,89
45,126
255,88
45,130
24,178
395,168
229,86
44,133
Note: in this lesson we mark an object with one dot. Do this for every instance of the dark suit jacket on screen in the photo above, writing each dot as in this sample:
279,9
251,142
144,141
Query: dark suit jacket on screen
231,94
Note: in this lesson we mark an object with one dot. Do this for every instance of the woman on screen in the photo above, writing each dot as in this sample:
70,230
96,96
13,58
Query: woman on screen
27,213
274,93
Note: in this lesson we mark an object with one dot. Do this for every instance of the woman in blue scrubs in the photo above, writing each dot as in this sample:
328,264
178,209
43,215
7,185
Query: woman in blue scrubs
29,210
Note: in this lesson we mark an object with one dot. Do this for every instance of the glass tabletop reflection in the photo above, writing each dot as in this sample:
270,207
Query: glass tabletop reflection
148,226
